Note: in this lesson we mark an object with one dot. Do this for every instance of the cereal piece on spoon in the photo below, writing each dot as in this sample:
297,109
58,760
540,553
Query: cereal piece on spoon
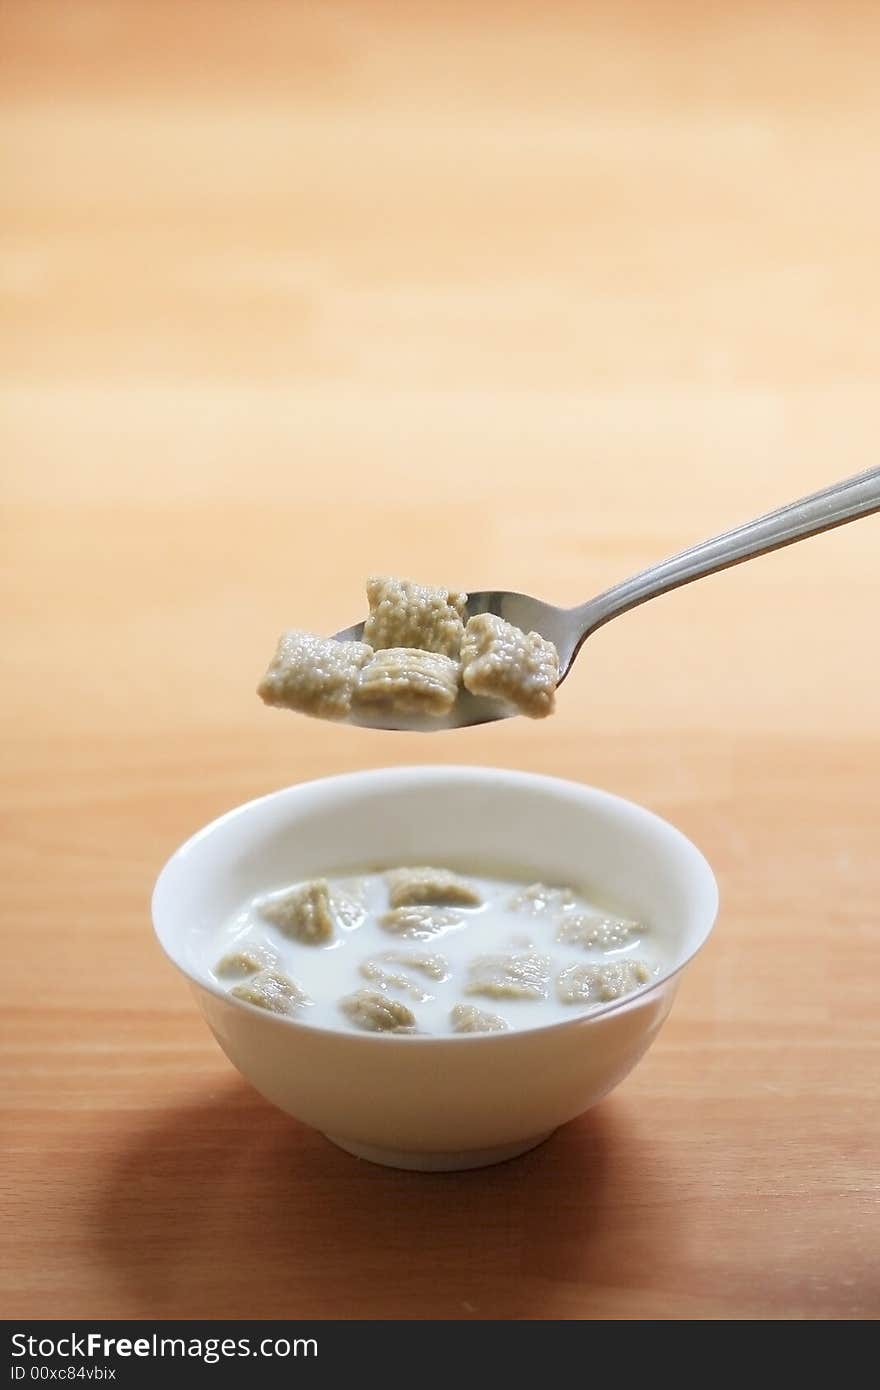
406,614
406,680
501,662
314,675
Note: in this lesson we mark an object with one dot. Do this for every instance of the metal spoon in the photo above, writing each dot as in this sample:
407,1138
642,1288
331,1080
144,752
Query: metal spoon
569,628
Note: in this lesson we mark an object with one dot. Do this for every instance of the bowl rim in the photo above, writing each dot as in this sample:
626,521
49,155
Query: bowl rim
418,774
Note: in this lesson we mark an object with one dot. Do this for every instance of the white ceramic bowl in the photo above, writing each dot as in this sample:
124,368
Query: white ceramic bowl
437,1102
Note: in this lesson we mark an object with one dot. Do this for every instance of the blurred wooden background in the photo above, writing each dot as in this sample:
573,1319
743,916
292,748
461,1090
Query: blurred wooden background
487,294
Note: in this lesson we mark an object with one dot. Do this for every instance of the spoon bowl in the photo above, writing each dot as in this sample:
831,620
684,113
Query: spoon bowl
568,628
529,614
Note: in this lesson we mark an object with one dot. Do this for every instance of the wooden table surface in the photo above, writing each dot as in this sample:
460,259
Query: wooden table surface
494,296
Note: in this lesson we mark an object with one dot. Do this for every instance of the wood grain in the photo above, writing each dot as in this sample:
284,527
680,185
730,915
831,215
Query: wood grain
500,296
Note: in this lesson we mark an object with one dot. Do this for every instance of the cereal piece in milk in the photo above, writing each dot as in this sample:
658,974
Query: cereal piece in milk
421,923
373,1011
597,933
423,886
273,991
466,1019
524,976
379,973
246,959
304,913
539,898
600,984
432,967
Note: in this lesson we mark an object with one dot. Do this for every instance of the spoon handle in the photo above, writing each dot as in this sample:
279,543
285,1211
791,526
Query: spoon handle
833,506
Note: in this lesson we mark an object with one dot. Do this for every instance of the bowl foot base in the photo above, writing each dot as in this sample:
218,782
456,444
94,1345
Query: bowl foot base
443,1162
